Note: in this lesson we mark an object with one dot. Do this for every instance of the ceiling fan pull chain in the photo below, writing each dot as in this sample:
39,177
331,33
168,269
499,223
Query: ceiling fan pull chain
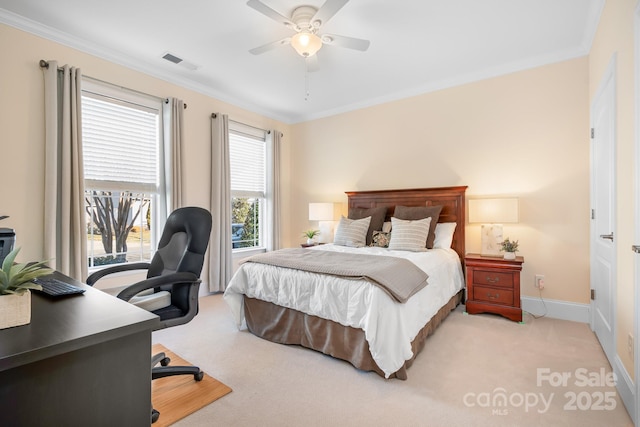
306,80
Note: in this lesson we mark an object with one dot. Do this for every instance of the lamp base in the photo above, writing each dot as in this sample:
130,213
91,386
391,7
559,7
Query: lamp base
491,237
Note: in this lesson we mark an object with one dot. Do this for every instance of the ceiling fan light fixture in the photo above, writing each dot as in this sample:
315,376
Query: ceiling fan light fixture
306,43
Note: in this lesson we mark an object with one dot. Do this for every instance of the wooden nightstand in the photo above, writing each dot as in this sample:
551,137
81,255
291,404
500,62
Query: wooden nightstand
493,286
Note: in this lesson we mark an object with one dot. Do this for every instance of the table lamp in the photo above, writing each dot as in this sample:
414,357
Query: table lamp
324,214
492,213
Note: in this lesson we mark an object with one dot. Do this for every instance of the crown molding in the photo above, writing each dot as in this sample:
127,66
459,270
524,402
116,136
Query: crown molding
102,52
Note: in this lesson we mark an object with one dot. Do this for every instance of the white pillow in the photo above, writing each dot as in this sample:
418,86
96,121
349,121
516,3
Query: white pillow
352,232
386,226
409,235
444,235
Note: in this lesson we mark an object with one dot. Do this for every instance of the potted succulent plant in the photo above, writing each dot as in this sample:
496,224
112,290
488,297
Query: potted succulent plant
310,234
15,285
509,247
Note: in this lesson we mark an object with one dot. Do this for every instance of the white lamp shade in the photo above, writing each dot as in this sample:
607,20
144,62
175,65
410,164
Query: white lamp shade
493,211
306,44
321,212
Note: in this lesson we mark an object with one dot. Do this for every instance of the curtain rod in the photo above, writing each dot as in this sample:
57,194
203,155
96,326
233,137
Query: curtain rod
244,124
45,64
214,115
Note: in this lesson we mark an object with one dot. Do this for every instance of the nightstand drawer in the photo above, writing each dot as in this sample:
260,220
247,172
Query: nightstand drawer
493,278
493,295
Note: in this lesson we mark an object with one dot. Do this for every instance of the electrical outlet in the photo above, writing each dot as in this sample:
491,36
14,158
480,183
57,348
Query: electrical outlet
539,281
630,345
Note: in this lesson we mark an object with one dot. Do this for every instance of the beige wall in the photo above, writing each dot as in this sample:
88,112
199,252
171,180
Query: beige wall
615,35
22,129
523,134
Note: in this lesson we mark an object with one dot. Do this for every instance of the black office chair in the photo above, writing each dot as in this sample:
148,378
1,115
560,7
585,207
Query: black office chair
173,280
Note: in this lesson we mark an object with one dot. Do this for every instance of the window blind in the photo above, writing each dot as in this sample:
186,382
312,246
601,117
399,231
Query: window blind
248,162
120,143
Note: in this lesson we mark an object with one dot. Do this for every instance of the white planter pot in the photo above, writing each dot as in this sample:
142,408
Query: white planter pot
509,255
15,310
310,241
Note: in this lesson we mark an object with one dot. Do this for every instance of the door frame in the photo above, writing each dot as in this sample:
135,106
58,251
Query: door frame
609,77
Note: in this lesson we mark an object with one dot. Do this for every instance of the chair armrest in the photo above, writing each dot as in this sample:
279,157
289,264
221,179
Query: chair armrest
93,278
168,279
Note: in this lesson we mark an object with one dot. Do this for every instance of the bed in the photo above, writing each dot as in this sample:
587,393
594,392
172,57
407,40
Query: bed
351,318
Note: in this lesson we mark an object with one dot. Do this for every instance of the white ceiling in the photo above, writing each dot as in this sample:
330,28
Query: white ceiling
417,46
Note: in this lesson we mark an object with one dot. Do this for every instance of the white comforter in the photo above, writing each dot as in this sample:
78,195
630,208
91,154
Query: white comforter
389,326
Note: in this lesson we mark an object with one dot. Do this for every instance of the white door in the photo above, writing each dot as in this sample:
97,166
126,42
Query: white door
603,218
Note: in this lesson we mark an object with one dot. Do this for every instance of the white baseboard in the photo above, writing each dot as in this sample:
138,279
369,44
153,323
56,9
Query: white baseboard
556,309
626,388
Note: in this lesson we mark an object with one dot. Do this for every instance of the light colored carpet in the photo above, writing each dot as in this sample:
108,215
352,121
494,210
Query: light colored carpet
457,380
177,396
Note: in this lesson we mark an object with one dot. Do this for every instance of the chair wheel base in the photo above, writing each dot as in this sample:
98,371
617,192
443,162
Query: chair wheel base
154,416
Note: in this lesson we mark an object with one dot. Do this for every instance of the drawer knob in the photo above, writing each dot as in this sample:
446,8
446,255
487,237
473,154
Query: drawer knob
493,279
493,296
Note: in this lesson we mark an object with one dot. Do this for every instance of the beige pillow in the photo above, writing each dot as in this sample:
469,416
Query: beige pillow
352,232
420,212
409,235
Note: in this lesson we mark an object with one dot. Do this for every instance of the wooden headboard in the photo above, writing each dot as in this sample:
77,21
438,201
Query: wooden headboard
452,200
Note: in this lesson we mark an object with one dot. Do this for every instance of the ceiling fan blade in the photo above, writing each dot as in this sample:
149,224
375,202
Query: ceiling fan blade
326,12
267,11
312,63
344,41
269,46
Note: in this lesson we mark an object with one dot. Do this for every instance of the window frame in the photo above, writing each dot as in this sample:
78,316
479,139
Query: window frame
265,221
157,192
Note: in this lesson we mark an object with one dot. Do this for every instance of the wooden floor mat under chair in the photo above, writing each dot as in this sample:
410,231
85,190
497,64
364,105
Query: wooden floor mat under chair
176,397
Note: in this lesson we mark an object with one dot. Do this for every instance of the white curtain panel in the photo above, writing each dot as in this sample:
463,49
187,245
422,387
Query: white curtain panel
64,205
274,138
220,258
173,112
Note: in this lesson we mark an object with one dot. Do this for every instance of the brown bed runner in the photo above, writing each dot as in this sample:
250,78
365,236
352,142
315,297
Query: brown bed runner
399,277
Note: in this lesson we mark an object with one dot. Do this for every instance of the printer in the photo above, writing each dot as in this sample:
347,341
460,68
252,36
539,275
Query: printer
7,240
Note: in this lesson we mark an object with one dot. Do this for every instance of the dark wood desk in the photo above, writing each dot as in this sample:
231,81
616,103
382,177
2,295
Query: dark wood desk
84,360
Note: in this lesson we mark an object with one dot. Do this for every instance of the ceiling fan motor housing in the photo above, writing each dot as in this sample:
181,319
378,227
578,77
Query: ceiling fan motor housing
302,15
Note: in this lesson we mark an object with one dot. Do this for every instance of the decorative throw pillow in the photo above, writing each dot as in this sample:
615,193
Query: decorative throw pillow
444,235
377,218
420,212
352,232
380,239
409,235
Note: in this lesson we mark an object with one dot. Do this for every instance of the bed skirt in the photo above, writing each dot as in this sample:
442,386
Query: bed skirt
288,326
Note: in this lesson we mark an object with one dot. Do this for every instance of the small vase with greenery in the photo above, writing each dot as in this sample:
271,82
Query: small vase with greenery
17,278
509,247
310,234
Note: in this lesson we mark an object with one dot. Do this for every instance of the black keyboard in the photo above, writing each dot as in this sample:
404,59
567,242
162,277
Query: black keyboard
54,287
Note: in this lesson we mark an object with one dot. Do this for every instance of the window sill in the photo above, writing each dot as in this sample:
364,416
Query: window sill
244,253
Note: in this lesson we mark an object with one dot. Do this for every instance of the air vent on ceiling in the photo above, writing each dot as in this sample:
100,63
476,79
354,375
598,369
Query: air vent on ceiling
179,61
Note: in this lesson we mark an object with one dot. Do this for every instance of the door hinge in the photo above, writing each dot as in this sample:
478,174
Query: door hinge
593,294
593,214
593,133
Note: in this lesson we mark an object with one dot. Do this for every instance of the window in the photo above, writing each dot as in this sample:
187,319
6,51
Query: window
247,155
122,136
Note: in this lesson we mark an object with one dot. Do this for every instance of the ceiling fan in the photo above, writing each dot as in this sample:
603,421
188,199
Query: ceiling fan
307,22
